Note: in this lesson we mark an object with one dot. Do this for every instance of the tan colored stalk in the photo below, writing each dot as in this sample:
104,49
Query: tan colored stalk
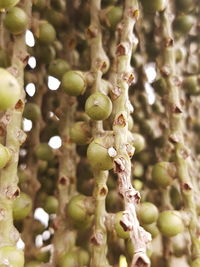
121,80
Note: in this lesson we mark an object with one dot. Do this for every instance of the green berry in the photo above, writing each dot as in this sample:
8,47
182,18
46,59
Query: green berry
183,23
138,142
163,173
170,223
44,54
11,256
69,259
76,208
16,20
9,90
160,86
98,106
80,133
185,5
22,207
47,33
152,229
147,213
4,156
137,184
58,67
32,112
51,204
191,85
39,4
44,152
58,5
73,83
153,5
8,3
33,264
195,263
83,257
98,157
118,227
114,16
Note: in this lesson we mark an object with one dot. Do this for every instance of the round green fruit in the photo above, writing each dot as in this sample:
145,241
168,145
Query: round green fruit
8,3
69,259
163,173
44,152
153,5
98,157
33,264
152,229
191,85
114,15
4,156
32,112
138,142
51,204
11,256
44,54
83,257
80,133
22,207
47,33
76,208
39,4
16,20
73,83
9,90
184,5
98,106
195,263
118,227
58,67
183,23
147,213
170,223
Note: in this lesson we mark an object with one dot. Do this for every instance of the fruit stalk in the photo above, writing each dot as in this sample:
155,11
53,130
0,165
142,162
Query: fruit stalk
176,128
15,137
98,63
122,79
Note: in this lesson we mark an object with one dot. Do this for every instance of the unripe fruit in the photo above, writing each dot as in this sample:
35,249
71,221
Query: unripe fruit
69,259
22,207
8,3
58,5
137,184
138,142
32,112
191,85
4,156
98,106
80,133
147,213
51,204
153,5
16,20
160,86
170,223
98,157
11,256
44,54
44,152
73,83
47,33
185,5
83,257
9,90
114,16
76,209
152,229
195,263
39,4
118,228
183,23
163,173
33,264
58,67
